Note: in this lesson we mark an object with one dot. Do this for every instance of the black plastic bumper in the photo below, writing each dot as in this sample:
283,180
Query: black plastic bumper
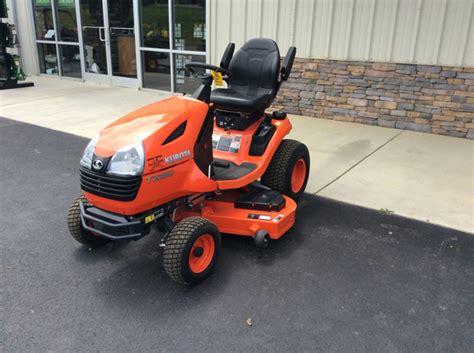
113,226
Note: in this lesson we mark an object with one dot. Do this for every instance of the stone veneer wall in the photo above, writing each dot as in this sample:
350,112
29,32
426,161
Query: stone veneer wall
426,98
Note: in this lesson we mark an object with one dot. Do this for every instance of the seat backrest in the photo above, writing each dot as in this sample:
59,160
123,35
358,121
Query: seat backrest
255,68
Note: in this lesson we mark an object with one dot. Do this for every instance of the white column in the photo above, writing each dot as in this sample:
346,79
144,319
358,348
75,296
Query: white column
22,13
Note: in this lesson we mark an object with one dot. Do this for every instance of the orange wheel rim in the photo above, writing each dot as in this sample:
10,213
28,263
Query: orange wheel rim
298,175
202,253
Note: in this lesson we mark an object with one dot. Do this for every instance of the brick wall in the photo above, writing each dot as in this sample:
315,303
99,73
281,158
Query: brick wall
435,99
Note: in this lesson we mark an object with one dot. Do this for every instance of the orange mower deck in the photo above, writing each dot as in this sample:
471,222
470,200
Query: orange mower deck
246,222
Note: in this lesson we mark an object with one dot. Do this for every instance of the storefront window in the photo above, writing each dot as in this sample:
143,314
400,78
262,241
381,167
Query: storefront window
185,81
155,24
56,58
67,23
92,13
188,28
48,59
44,20
190,25
70,61
157,72
172,32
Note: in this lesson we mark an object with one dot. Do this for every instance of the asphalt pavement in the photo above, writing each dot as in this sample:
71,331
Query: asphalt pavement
344,279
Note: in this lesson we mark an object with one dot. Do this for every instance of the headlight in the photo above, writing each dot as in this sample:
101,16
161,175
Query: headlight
128,160
86,159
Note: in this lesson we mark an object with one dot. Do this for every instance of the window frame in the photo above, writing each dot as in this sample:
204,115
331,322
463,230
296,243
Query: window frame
171,51
57,42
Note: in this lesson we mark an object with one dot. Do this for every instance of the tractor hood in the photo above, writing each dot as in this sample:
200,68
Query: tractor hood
145,124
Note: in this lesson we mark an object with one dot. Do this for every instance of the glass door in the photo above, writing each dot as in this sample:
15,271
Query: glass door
108,32
123,55
94,41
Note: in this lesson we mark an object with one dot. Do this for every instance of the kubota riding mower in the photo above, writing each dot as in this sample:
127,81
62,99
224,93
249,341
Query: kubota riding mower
195,167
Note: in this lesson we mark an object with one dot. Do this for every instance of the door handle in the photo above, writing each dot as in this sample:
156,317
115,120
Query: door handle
131,29
99,28
102,39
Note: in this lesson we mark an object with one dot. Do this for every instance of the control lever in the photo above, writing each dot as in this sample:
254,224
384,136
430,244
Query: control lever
268,119
279,115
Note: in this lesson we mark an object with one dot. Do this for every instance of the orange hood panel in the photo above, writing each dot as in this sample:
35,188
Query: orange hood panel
142,123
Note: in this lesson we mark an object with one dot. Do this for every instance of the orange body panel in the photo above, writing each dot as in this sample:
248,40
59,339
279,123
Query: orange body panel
283,127
162,182
229,219
166,179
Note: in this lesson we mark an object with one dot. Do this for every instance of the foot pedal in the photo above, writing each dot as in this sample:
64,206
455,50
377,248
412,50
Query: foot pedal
262,200
219,163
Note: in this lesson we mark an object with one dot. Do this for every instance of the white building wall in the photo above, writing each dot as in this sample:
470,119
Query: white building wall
407,31
437,32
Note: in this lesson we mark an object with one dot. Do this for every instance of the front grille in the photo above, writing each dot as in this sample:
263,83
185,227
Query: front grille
119,188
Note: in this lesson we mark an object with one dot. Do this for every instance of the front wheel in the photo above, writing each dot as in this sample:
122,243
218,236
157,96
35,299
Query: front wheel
288,171
191,250
76,229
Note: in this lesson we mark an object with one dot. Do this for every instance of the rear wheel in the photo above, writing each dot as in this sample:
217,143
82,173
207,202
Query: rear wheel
191,250
76,229
289,169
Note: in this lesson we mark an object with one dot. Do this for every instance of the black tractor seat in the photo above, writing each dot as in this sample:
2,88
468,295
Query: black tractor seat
254,77
254,80
236,101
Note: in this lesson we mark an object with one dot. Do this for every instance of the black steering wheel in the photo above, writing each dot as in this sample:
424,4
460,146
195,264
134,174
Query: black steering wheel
191,65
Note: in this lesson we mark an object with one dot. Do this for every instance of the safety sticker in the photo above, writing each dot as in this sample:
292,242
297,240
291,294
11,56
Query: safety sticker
277,218
215,140
149,218
259,216
226,143
154,216
235,144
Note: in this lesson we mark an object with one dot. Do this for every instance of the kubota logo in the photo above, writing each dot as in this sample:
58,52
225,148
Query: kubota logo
177,157
97,164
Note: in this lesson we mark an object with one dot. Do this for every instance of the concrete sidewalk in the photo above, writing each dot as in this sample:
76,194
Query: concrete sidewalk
421,176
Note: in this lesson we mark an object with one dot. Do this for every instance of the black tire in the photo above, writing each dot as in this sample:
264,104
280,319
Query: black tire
261,239
177,251
278,175
76,229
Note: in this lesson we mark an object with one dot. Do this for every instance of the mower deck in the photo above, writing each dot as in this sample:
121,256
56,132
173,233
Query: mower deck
226,213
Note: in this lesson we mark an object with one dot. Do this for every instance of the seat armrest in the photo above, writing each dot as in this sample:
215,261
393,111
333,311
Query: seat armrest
227,57
287,64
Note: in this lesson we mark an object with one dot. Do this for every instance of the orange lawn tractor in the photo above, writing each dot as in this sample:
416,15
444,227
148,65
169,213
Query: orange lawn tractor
192,168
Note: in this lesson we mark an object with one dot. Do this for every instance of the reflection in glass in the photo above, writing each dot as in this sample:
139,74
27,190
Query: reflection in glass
190,25
44,20
122,38
70,61
156,70
92,13
92,16
66,17
155,26
185,81
47,59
